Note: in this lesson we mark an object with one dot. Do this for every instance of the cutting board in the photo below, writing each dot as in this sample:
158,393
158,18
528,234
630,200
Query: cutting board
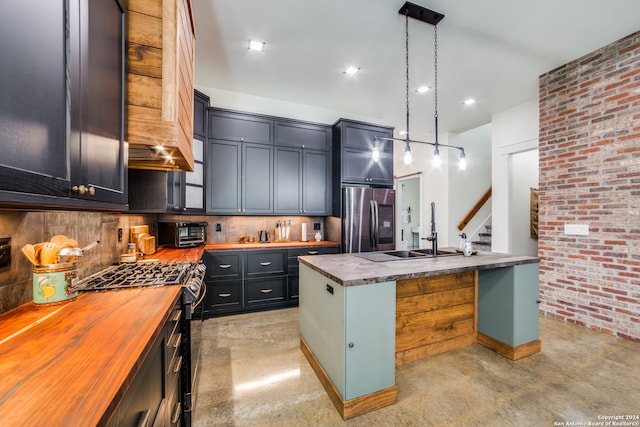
147,244
135,231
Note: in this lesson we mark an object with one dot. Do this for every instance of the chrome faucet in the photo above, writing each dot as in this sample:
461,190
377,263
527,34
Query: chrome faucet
434,234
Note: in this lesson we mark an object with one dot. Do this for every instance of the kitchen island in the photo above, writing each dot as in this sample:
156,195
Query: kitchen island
362,315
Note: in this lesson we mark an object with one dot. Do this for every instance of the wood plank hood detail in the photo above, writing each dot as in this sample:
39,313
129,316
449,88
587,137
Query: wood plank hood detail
161,48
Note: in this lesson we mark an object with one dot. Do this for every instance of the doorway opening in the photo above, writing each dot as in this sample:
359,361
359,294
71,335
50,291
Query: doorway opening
523,174
409,202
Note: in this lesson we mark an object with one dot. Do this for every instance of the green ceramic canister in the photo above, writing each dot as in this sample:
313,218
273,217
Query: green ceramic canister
55,283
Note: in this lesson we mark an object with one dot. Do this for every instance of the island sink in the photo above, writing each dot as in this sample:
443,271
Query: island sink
419,253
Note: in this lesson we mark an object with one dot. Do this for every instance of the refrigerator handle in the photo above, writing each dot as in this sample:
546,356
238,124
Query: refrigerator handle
372,225
376,227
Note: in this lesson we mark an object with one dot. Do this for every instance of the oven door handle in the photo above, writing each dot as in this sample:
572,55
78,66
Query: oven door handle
203,293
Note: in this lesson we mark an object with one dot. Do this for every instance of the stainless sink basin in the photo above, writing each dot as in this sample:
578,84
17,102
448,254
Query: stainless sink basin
404,254
414,253
429,252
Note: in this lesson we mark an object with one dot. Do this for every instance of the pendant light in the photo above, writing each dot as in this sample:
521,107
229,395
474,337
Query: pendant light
425,15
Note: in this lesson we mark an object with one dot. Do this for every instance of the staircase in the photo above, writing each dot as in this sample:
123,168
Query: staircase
484,240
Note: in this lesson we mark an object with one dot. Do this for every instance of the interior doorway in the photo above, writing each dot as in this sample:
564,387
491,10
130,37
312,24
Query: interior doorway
409,201
523,176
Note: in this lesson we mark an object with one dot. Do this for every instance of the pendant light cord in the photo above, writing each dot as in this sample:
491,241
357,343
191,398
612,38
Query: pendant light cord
406,57
435,65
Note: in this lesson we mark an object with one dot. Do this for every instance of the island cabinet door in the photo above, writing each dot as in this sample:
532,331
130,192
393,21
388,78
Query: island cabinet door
370,319
508,304
350,331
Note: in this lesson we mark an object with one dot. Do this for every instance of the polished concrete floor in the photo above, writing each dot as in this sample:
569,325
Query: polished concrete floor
254,374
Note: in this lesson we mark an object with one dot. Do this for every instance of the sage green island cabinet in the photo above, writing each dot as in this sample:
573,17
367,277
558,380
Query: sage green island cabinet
508,309
361,315
352,333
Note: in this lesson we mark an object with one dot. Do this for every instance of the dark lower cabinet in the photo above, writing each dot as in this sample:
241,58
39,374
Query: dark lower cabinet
293,266
154,395
254,279
266,290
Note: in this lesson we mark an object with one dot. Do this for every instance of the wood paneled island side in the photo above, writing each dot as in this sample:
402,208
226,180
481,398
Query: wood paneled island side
361,318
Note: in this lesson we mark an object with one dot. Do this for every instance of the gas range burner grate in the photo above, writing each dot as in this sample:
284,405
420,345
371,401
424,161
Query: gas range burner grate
137,275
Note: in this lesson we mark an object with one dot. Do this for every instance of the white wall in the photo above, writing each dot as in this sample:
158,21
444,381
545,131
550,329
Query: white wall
466,187
524,176
435,184
259,105
513,130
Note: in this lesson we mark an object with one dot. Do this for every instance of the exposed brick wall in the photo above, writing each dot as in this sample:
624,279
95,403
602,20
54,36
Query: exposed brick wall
590,174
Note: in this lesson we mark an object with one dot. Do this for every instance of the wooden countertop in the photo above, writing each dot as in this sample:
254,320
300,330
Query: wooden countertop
70,364
350,269
273,245
166,254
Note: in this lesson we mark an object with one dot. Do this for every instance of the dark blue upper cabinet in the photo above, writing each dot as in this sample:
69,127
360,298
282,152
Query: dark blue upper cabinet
62,100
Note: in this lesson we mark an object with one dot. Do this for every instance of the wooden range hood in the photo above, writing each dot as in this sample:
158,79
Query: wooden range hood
160,64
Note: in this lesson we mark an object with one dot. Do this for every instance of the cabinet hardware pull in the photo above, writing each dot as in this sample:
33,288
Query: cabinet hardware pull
176,316
351,345
266,291
143,420
177,341
266,263
312,252
224,266
176,413
82,189
224,295
178,365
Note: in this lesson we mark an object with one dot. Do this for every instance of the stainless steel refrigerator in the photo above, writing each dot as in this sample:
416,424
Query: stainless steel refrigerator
368,219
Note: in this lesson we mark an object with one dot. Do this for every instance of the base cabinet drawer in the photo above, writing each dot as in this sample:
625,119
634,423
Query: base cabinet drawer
265,262
224,296
265,290
223,265
240,281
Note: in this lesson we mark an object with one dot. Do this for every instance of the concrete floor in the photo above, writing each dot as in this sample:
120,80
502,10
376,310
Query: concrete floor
254,374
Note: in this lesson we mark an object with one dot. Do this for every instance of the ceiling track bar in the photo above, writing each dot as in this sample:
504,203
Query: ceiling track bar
421,13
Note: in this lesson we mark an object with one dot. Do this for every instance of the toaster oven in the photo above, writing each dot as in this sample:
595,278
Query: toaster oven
182,234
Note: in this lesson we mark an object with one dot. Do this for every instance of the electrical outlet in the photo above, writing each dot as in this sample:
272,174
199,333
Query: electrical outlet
218,227
5,252
119,234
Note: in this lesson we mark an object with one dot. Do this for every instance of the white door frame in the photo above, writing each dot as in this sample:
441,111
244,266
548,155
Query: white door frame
399,195
506,153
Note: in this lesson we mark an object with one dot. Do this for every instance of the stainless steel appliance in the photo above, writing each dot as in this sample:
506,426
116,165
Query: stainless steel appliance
368,219
188,275
182,234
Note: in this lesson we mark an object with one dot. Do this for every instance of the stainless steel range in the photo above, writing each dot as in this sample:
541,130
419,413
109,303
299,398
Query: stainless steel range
188,275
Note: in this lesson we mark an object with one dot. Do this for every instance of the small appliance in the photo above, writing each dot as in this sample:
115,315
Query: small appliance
182,234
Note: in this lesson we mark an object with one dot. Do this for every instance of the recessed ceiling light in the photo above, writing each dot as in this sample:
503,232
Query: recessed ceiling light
423,89
470,101
351,70
256,45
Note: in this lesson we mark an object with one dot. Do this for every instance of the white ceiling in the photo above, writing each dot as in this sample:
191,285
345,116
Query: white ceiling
491,50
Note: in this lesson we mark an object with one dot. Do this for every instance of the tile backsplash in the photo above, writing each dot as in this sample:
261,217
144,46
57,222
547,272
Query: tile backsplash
16,286
234,226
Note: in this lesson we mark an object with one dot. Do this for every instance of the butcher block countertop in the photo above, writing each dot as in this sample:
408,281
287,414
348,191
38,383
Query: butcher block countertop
273,245
165,254
351,269
71,364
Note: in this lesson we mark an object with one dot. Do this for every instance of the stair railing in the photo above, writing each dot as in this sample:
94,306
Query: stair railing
474,210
